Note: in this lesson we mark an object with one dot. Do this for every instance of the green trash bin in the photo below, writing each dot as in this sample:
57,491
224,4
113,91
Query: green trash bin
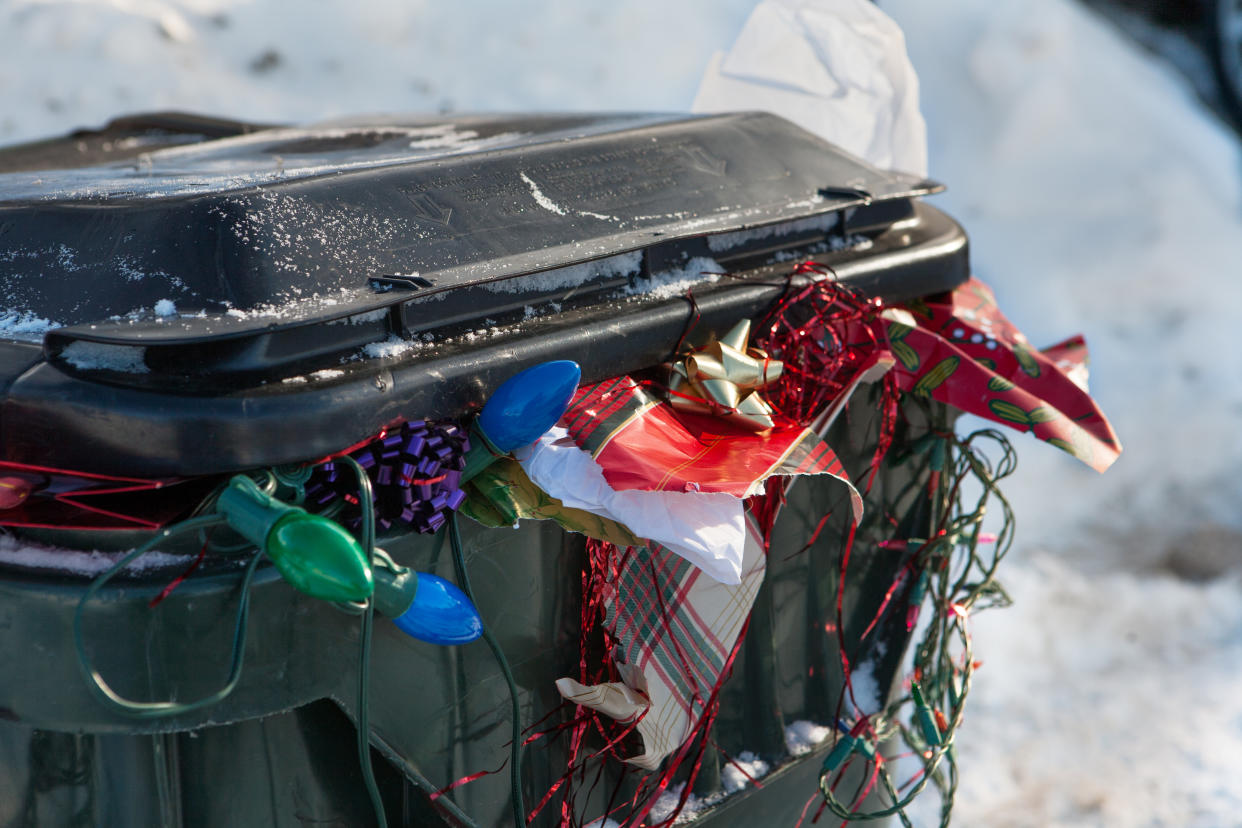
270,296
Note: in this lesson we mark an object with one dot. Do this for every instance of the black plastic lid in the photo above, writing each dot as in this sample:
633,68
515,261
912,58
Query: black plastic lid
192,298
290,224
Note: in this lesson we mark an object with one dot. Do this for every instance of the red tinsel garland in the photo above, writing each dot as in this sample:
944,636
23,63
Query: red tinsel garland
826,334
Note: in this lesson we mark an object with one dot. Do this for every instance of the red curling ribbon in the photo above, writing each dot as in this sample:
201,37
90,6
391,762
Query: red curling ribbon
465,780
176,582
45,497
888,597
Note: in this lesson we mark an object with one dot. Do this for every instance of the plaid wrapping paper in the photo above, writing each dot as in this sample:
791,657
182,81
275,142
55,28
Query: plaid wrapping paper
676,629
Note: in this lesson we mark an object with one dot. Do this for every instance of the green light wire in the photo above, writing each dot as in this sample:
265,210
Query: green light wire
516,799
100,689
946,640
154,710
366,502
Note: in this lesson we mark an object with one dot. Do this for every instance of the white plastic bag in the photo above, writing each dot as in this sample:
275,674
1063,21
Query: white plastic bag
835,67
706,528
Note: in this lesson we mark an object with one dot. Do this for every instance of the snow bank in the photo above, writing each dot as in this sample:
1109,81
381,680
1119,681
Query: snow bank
1103,700
1100,197
256,60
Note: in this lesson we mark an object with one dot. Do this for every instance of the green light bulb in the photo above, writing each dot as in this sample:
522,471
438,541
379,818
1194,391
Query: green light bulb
315,555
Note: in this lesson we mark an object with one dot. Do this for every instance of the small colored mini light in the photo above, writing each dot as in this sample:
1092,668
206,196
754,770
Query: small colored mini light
13,491
839,753
923,714
426,606
314,554
520,411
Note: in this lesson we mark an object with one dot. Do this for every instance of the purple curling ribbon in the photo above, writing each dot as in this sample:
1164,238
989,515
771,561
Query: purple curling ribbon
415,472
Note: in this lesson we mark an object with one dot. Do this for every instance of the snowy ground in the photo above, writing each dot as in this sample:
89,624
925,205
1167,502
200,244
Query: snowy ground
1100,197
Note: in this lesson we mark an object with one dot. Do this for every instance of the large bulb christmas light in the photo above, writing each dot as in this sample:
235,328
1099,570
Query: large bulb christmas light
520,411
426,606
314,554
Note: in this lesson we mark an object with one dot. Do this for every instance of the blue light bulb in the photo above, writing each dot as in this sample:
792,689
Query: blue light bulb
425,606
529,403
440,613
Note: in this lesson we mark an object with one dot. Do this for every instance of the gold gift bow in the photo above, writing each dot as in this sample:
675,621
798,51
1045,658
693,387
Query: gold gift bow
723,378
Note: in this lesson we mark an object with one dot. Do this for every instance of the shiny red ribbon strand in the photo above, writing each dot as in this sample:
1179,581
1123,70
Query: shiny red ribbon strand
187,572
465,780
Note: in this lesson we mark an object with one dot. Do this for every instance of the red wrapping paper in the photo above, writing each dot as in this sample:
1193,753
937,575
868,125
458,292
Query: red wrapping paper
642,442
959,348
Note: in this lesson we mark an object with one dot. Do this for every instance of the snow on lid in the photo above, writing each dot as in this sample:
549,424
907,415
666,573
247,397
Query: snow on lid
165,307
563,278
393,346
29,555
541,199
301,307
249,160
24,325
97,356
721,242
676,281
666,284
361,318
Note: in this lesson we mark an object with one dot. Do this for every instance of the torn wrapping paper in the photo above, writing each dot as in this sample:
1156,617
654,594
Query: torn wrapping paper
959,348
676,634
642,442
705,528
835,67
696,511
1070,357
673,631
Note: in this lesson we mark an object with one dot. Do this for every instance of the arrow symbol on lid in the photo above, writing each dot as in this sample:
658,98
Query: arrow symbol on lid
426,207
703,161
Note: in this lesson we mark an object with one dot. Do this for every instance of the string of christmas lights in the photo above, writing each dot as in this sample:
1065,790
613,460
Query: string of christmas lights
954,578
